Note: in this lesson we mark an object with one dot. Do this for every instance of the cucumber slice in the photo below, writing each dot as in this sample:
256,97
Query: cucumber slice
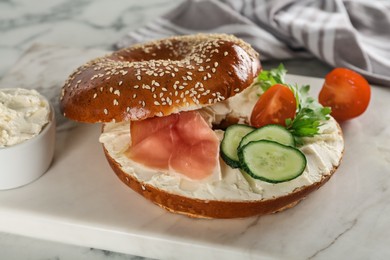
275,133
230,142
271,161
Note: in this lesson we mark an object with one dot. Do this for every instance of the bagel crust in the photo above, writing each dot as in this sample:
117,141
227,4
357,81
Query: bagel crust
228,205
160,78
198,208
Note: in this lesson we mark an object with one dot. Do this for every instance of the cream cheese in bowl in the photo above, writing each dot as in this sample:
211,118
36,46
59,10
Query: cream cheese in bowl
27,136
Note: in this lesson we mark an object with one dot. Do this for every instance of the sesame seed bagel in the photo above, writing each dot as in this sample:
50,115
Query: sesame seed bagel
159,78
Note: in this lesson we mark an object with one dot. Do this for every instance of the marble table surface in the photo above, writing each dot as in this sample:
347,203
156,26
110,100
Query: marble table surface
346,219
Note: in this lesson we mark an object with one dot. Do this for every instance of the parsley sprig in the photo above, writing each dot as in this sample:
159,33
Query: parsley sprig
309,115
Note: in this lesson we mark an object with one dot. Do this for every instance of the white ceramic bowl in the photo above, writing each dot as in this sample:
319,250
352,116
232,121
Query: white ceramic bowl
25,162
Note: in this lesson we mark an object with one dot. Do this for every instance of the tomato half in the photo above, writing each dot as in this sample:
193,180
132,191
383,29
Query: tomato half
346,92
273,107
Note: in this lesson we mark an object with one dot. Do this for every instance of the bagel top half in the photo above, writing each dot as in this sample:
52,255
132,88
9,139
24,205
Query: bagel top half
160,78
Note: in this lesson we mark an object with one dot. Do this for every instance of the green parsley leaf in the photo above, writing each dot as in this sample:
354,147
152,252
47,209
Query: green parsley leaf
310,114
268,78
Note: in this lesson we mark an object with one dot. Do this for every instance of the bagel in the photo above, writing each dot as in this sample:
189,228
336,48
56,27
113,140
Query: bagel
159,78
212,75
234,196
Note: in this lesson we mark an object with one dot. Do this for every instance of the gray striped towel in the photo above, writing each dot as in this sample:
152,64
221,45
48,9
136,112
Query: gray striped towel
343,33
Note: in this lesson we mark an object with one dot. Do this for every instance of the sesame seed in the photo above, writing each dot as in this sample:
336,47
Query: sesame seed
209,75
136,86
213,70
164,89
156,103
215,64
139,77
135,95
111,89
117,92
95,95
105,111
225,53
120,83
116,102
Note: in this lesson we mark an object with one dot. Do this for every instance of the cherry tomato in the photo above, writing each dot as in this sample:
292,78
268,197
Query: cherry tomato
346,92
274,106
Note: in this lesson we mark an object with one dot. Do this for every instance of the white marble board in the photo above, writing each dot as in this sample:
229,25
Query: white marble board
80,200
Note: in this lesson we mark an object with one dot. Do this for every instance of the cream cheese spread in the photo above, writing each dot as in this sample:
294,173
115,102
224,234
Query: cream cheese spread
323,152
23,114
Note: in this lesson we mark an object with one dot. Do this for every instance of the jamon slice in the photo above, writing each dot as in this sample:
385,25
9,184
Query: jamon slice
180,143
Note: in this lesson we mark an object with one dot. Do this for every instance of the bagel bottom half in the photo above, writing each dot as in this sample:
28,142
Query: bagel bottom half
223,208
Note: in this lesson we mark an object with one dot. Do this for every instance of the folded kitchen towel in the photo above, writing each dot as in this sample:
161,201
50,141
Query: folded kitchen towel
343,33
